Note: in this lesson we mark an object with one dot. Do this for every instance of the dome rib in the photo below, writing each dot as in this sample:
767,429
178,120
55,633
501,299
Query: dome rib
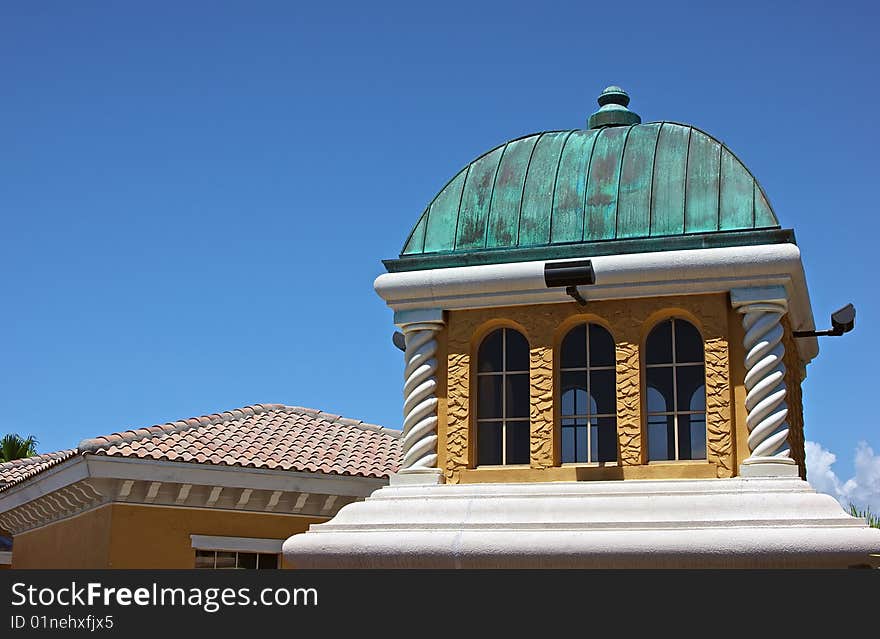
659,183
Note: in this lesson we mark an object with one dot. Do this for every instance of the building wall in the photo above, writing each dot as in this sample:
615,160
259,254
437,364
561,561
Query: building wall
794,375
82,541
629,322
140,536
158,537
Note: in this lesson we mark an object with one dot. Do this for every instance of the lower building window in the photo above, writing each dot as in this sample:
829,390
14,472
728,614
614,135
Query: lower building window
239,560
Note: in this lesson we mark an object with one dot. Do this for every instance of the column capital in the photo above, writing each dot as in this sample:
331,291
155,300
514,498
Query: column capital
423,316
774,296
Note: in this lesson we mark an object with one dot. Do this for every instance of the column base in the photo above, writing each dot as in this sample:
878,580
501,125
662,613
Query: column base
769,468
418,476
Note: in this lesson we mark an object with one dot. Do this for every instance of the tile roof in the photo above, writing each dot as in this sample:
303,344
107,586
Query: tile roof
18,469
272,436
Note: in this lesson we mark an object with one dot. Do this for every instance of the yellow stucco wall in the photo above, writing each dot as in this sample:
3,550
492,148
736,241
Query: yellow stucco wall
158,537
82,541
629,322
137,536
794,399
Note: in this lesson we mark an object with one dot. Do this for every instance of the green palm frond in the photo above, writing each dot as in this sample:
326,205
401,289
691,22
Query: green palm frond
14,446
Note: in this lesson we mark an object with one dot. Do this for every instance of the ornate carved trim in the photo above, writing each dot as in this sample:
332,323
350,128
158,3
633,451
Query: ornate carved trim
60,504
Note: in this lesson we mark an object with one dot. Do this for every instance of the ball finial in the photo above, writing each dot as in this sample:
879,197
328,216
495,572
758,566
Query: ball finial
612,109
613,95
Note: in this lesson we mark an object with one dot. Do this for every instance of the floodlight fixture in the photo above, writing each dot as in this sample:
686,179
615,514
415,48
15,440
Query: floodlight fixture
842,321
570,275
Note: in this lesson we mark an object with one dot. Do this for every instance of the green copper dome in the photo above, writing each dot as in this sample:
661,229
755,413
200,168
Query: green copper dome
617,188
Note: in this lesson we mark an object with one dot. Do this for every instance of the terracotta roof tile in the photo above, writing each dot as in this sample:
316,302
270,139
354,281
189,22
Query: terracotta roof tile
260,436
18,469
264,435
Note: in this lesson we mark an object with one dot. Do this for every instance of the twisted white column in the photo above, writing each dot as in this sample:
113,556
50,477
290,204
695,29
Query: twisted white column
765,381
420,397
766,409
420,401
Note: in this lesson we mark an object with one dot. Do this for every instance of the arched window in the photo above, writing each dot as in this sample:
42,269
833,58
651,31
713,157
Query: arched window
588,409
676,392
503,398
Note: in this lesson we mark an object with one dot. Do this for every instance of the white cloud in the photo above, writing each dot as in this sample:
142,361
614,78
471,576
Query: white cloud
862,489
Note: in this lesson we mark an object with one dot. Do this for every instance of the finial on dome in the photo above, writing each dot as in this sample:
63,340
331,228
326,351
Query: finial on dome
612,109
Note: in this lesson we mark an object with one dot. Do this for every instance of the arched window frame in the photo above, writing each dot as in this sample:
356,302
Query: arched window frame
514,417
572,421
676,411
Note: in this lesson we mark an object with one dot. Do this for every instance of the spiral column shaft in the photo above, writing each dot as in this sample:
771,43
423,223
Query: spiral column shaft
766,408
420,398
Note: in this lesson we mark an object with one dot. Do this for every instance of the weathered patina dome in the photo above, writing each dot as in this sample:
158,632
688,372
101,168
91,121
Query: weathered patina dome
618,187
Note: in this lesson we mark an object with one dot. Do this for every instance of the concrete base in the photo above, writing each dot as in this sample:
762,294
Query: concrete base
417,476
712,523
769,469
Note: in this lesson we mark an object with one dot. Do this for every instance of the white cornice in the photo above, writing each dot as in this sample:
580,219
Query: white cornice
230,476
89,481
662,273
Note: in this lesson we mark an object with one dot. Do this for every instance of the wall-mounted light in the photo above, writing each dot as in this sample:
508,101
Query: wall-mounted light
842,321
570,275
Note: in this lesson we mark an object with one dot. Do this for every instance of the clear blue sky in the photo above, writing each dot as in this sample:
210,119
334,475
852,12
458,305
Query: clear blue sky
196,195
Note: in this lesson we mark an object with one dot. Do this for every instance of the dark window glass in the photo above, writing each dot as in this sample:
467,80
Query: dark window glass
606,437
660,382
656,401
225,559
230,560
688,343
698,399
205,558
517,442
588,397
661,438
601,346
582,443
574,387
569,397
517,352
517,393
489,393
568,455
503,399
675,392
689,380
659,344
574,348
602,392
692,437
489,443
491,356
